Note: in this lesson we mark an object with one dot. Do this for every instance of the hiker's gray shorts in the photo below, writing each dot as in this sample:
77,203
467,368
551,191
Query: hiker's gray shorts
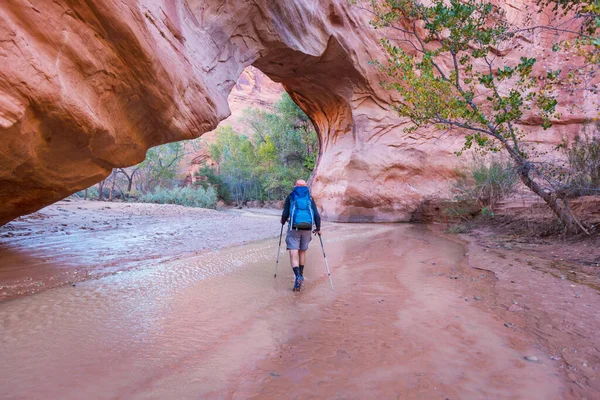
298,240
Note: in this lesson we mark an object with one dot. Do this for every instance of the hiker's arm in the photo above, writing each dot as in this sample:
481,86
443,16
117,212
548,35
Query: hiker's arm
286,211
316,215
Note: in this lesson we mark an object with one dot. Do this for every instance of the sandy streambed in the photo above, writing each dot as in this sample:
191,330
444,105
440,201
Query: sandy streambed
74,241
400,324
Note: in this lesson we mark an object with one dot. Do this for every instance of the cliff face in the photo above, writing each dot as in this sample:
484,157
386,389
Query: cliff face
88,86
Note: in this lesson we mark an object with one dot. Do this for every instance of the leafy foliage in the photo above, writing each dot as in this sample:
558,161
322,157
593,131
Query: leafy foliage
92,193
475,94
210,178
235,156
580,174
486,181
448,69
281,147
160,166
184,196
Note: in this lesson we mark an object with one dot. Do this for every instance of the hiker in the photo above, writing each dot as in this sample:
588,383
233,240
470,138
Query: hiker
302,213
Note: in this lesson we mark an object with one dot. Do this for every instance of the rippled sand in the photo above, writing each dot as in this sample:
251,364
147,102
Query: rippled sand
218,326
74,241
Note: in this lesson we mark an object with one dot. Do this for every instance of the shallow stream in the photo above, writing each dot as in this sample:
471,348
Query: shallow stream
218,325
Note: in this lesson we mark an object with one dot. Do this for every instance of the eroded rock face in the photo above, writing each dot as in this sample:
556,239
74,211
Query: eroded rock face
88,86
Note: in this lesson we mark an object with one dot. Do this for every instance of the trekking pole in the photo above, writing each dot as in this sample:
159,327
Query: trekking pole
325,257
278,250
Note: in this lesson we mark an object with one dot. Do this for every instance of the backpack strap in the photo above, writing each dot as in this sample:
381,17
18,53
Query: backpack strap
312,217
292,211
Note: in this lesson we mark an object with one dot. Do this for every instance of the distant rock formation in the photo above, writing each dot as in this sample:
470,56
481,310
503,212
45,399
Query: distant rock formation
253,89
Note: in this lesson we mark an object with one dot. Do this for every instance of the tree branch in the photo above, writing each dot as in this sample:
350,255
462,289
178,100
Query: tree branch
550,28
498,97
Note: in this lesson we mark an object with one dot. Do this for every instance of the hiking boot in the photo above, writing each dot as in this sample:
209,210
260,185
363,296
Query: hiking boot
298,276
300,281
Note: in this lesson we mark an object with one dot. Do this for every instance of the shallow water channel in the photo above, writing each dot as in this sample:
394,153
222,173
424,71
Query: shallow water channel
218,325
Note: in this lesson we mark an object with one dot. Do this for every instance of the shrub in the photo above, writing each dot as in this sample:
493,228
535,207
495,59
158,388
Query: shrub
487,212
186,196
581,175
208,177
133,195
459,228
92,193
485,181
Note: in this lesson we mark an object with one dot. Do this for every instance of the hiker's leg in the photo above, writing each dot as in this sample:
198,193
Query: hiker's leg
294,258
295,268
305,238
302,257
292,240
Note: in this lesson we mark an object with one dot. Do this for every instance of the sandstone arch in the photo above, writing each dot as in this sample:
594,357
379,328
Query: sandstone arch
90,85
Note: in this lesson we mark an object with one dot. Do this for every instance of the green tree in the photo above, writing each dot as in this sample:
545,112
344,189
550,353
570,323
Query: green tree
129,174
282,146
296,137
160,166
446,64
235,156
287,145
209,177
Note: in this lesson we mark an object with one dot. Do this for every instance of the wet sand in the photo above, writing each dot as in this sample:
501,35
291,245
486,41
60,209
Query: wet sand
402,323
73,241
548,291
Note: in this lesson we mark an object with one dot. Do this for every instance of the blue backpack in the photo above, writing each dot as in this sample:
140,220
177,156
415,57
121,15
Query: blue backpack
301,209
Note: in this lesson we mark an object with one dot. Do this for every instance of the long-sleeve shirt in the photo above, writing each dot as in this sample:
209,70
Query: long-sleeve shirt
286,212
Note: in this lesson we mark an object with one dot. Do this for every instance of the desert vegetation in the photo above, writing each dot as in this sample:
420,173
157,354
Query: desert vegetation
155,180
263,163
448,63
260,164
